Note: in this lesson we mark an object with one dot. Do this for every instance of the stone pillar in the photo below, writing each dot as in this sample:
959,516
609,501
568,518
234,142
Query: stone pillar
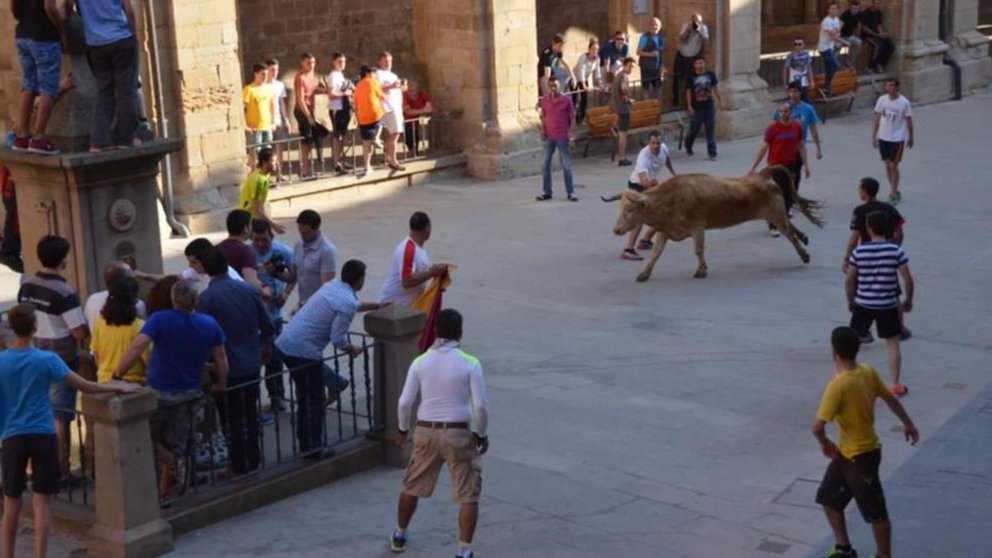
918,61
969,48
490,87
201,75
738,46
105,204
128,519
396,330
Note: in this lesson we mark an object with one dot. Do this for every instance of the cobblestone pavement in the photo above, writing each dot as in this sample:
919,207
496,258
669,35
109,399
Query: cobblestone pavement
670,418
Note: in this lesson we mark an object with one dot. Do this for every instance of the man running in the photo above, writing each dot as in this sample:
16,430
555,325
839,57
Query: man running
784,146
872,286
892,129
849,398
647,174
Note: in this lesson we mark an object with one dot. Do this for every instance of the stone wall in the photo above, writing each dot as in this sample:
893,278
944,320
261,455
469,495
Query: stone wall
577,21
359,28
10,77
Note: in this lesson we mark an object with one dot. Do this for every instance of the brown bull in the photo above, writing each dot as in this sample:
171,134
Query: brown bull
688,204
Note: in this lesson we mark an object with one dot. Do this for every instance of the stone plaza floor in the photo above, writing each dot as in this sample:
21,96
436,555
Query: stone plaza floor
671,418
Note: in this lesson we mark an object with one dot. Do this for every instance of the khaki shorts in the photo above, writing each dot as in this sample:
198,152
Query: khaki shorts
433,447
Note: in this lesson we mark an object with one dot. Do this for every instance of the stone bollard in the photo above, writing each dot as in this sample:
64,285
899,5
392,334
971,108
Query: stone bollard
128,522
396,330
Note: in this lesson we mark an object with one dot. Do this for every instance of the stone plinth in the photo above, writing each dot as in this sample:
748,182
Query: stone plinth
105,204
396,330
128,520
968,47
919,57
738,37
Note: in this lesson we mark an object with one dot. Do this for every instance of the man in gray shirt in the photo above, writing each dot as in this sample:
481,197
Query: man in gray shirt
620,103
314,256
692,44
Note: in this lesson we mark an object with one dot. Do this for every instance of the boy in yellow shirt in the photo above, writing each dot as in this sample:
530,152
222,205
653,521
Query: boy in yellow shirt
255,190
849,398
260,107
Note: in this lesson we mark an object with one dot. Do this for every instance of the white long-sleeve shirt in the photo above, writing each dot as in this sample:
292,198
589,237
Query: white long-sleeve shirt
585,69
451,388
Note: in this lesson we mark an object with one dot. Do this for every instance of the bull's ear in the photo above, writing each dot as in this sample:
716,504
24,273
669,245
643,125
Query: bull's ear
635,197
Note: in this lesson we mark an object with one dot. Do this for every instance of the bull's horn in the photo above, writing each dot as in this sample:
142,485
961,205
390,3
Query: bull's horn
611,198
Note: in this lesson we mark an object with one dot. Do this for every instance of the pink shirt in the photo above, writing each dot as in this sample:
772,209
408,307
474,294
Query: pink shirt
558,114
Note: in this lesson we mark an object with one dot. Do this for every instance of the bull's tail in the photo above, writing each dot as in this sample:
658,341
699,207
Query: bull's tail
809,208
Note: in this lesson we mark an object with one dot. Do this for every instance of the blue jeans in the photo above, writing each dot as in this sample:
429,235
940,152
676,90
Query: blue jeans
702,117
565,157
41,63
830,65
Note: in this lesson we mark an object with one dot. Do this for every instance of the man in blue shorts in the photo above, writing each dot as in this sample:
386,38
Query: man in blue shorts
38,37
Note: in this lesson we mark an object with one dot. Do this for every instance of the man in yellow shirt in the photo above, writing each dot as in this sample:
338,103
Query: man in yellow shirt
255,190
368,99
260,108
849,399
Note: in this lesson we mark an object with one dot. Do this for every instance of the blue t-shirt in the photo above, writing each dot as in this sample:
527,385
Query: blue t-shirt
104,21
277,251
651,43
181,344
25,376
804,114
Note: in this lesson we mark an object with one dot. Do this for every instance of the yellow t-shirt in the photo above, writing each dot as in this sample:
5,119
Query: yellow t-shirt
850,399
255,187
258,106
109,343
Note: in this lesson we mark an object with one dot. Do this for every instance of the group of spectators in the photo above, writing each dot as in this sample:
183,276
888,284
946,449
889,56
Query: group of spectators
112,51
376,98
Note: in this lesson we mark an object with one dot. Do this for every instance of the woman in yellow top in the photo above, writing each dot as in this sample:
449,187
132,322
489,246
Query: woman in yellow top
115,329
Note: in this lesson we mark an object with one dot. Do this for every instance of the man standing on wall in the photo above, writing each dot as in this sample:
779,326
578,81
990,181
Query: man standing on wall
649,58
280,124
393,87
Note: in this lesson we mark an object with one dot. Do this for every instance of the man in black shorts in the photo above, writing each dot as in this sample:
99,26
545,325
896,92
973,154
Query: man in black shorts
849,398
872,286
867,192
620,103
27,425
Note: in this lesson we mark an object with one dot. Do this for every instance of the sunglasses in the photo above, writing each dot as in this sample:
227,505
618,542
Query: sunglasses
797,43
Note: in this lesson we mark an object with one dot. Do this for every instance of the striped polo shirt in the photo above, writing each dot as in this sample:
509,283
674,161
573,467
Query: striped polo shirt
57,310
878,263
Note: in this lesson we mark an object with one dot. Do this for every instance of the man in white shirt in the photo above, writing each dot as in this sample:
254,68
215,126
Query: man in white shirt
280,119
115,271
452,392
394,87
410,268
647,174
339,91
892,130
830,41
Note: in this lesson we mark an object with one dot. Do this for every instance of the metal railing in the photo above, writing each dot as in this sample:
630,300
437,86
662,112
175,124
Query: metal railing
425,133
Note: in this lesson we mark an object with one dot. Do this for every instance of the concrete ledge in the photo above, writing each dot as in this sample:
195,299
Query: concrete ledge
235,498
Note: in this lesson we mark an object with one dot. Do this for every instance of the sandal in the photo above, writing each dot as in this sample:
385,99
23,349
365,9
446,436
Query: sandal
631,254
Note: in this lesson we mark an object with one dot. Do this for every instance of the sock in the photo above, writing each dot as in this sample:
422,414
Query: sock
400,532
464,549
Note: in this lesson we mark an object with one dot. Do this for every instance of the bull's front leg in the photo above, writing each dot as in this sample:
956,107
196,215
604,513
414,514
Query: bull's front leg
699,241
659,245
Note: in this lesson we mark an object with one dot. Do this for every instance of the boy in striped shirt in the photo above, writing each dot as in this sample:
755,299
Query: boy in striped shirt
872,285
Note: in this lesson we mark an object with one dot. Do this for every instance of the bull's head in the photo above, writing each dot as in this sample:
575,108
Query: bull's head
630,217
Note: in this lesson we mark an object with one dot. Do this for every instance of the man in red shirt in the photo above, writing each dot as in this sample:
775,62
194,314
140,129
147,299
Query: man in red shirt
783,143
10,248
557,114
416,103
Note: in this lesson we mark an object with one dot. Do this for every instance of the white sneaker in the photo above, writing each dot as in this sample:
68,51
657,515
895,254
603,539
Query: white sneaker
774,233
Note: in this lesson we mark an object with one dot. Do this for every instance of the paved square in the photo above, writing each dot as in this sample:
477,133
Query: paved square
671,418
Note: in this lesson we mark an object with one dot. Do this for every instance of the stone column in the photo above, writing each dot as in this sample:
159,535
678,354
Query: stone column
969,48
738,46
490,87
128,519
918,61
105,204
201,75
396,330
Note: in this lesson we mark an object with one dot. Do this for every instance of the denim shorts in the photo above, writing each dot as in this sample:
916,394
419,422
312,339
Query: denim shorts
41,66
369,132
63,399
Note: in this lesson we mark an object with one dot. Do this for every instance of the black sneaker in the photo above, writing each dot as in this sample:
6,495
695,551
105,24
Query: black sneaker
543,197
397,542
624,163
867,338
572,198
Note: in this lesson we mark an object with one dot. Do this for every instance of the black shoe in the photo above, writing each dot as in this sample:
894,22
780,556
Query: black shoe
543,197
397,542
624,163
572,198
688,151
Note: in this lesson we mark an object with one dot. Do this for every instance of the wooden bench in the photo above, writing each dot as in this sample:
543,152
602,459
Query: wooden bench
844,87
645,116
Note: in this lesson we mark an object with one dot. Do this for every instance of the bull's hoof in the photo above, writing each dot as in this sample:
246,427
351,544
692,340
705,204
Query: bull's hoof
804,257
642,277
700,274
801,236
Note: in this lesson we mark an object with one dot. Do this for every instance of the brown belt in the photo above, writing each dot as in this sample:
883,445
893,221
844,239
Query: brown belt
442,425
